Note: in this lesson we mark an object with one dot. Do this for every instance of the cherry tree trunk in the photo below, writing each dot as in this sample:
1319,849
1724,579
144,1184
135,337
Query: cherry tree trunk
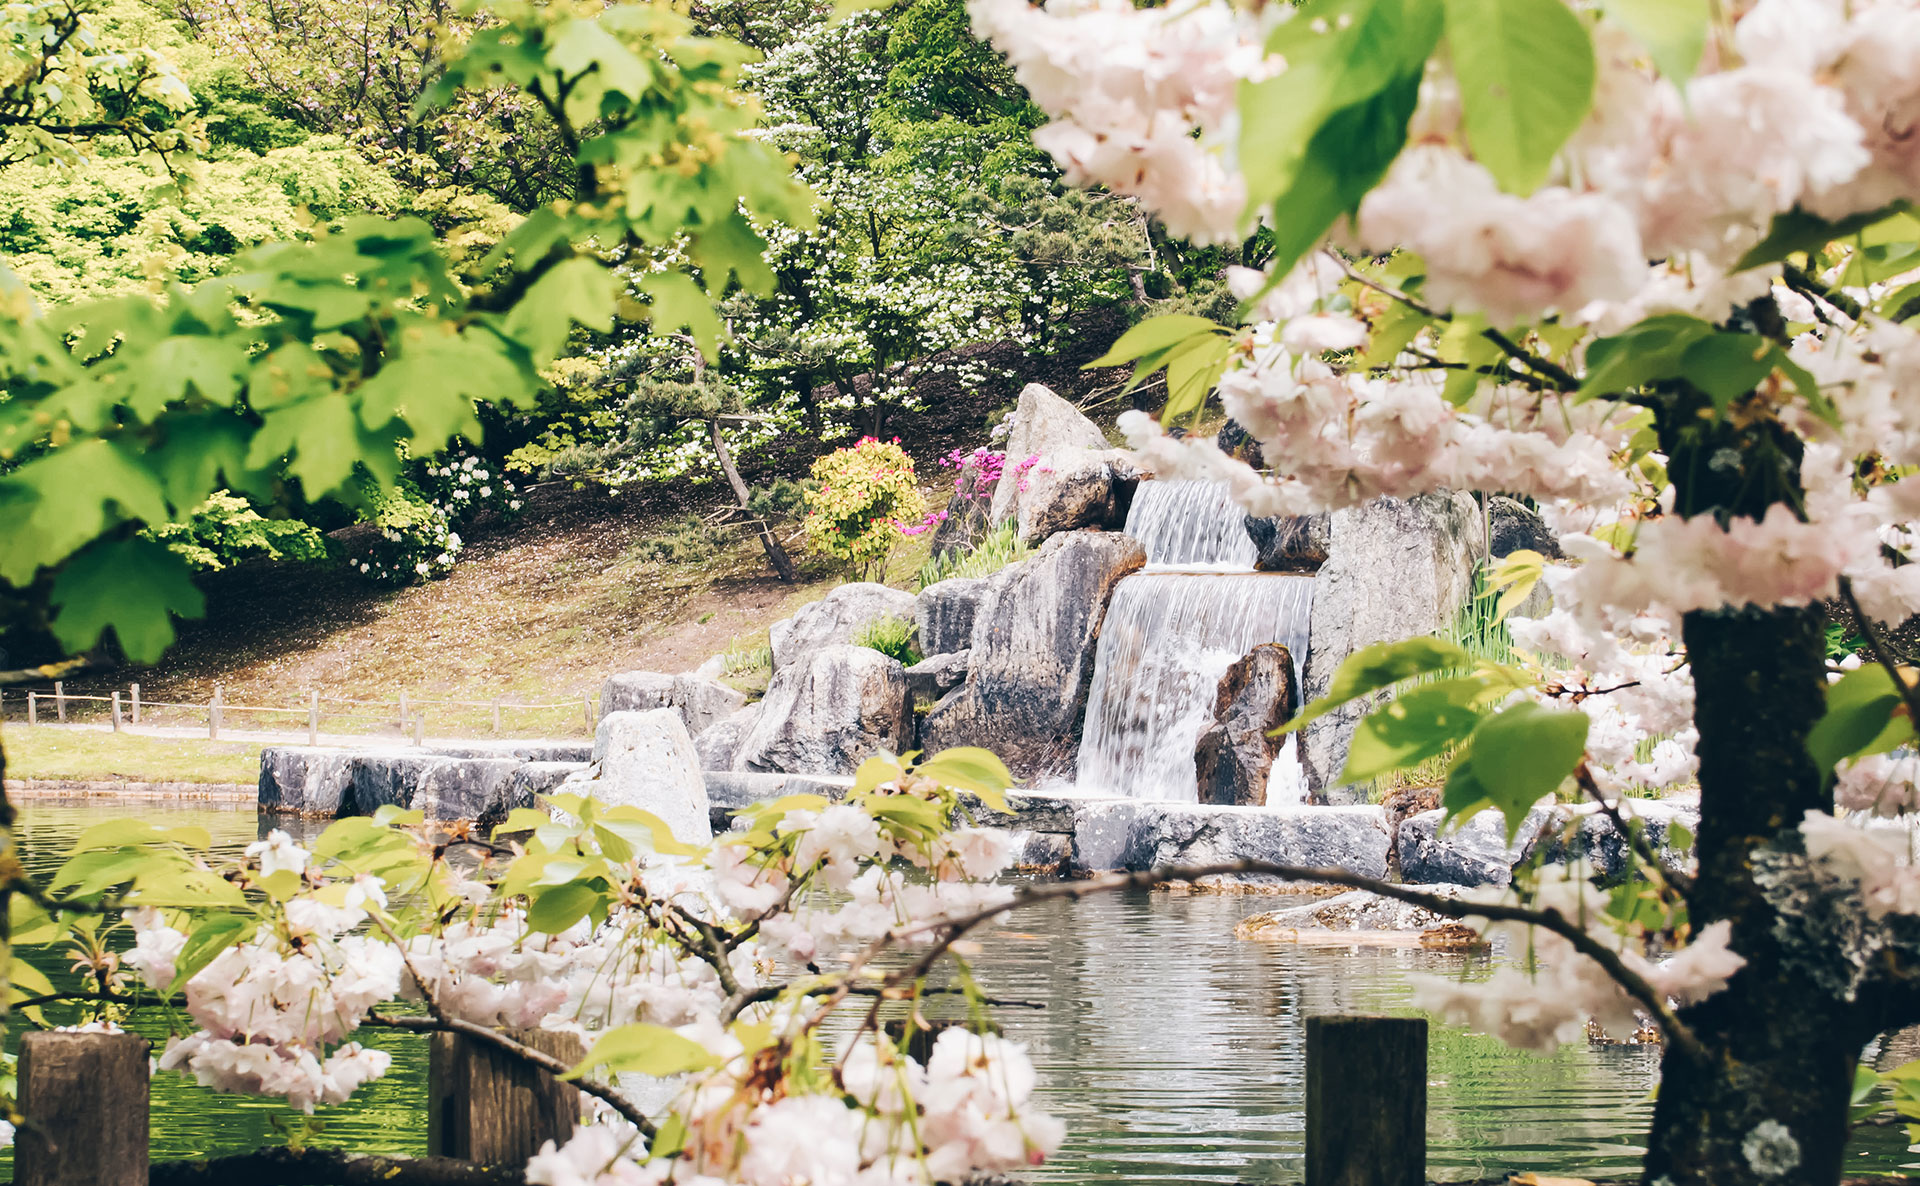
1767,1103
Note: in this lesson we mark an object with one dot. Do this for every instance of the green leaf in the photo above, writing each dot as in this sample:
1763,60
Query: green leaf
1526,73
1191,375
1865,715
561,906
1392,333
522,819
1648,350
208,939
1378,666
970,768
133,586
64,500
1514,759
880,769
321,435
677,301
1727,365
578,290
645,1048
647,830
1797,231
1674,32
1414,726
1155,335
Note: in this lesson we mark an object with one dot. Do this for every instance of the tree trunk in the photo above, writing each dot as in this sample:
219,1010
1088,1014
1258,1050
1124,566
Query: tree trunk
776,555
1768,1103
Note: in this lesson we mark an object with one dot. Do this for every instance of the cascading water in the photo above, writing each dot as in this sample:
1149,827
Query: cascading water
1170,633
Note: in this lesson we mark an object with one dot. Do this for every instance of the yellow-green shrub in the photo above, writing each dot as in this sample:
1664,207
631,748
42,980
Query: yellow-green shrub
865,497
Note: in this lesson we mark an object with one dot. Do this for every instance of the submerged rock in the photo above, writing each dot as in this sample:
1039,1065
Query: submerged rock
1395,568
1033,650
1355,910
827,712
944,612
835,619
647,760
1236,752
1143,834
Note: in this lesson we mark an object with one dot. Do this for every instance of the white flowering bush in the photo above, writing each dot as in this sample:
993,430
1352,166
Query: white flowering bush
714,967
417,524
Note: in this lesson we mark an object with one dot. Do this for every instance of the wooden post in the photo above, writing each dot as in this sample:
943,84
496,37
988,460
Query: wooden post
1366,1101
313,718
403,712
136,704
60,700
419,727
116,712
486,1106
496,714
213,715
586,710
33,708
85,1100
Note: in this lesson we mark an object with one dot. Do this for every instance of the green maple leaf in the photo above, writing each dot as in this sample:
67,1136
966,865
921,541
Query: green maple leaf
575,290
59,502
134,587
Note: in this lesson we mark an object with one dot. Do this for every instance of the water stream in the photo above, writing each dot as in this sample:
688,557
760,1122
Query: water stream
1173,1051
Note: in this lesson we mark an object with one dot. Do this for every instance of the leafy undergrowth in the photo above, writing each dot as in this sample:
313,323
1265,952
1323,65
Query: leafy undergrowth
51,752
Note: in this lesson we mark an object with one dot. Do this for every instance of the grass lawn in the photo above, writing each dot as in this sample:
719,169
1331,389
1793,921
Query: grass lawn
52,752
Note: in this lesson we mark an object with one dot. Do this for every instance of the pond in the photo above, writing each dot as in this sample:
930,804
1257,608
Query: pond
1173,1051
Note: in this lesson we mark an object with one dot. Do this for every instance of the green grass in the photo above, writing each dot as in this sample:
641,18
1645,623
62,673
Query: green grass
994,552
52,752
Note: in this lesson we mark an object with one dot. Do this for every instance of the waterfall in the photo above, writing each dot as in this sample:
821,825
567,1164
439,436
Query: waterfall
1189,524
1167,639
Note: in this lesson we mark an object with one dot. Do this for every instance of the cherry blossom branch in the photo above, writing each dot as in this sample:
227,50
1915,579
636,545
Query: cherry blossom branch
1801,282
1544,367
1909,695
1636,839
442,1020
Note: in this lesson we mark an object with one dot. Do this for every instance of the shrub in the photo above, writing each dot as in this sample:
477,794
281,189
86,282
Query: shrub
994,552
865,498
891,636
684,540
226,530
413,540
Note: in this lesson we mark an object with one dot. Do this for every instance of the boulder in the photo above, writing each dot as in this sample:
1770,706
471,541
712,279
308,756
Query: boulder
1256,696
1033,650
1395,568
531,779
1475,853
647,760
1045,427
700,701
828,711
1581,832
1137,834
944,612
1355,910
298,780
836,619
933,678
1068,491
465,788
719,743
1513,526
1295,543
1236,442
382,779
1043,853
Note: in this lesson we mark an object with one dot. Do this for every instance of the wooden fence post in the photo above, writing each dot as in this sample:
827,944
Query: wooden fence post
116,712
33,708
136,704
403,712
313,718
419,727
586,709
486,1106
85,1100
60,700
213,715
1366,1101
496,714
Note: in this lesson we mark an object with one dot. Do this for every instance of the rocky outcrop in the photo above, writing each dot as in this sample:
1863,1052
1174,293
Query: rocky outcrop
1395,568
1235,753
647,760
1475,853
1236,442
1355,910
943,614
930,679
827,711
1513,526
300,780
700,701
719,743
1295,543
1047,427
465,788
479,782
1581,832
1033,649
1068,491
836,619
1144,834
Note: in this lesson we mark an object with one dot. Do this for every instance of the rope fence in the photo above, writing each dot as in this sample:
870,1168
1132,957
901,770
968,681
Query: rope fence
50,706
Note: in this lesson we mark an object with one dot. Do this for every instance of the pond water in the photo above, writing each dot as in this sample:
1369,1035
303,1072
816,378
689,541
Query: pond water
1173,1051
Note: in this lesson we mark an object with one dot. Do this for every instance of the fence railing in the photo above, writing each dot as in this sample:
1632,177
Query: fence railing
408,713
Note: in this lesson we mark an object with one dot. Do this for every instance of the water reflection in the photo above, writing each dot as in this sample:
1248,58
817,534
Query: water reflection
1173,1051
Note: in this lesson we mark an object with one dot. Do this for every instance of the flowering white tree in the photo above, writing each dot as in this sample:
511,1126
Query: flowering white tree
1650,265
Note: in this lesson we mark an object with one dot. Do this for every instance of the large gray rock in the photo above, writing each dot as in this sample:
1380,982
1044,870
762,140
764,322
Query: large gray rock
466,788
1581,833
835,619
930,679
1475,853
298,780
700,701
943,614
1047,427
1291,544
1512,526
647,760
529,780
1075,489
1395,568
1146,834
719,743
1033,649
1234,754
388,779
827,712
525,751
